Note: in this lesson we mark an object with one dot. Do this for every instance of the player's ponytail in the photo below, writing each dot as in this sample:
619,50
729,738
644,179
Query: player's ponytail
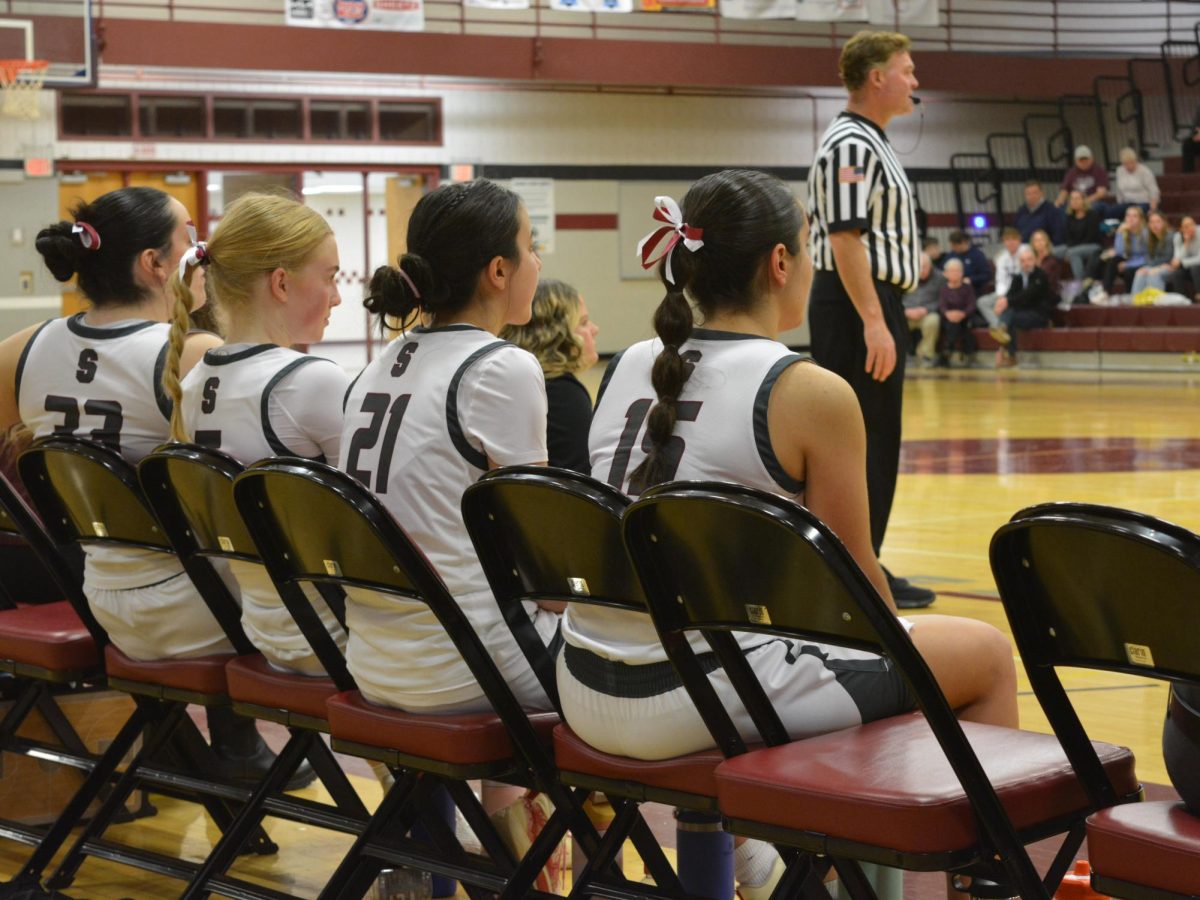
715,243
182,303
454,233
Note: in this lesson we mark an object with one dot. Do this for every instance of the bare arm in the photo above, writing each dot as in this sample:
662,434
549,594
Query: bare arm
11,349
854,268
818,435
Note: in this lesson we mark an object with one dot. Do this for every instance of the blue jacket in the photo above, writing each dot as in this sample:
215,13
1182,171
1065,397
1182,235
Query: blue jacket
1047,217
976,268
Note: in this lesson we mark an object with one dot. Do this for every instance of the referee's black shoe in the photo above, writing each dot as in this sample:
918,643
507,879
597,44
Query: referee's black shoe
907,595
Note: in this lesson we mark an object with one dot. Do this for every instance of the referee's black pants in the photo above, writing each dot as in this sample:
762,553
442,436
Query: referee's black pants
837,344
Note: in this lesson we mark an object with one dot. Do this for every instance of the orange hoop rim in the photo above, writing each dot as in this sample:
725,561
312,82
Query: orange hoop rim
10,69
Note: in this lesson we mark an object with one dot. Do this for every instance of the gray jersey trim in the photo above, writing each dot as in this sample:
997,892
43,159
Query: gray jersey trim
77,326
165,406
265,413
608,374
453,424
762,434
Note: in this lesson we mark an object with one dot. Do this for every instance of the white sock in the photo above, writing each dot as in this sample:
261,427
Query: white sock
753,862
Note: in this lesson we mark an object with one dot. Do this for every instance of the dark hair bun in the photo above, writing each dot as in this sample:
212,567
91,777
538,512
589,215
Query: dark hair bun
60,250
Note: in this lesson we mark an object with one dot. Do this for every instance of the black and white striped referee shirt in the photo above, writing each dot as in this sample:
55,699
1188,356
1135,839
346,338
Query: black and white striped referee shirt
856,182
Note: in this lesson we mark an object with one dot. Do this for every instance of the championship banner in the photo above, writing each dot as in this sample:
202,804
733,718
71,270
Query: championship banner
497,4
592,6
758,9
903,12
831,10
376,15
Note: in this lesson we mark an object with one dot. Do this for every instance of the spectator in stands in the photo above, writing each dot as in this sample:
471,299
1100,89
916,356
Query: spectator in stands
1038,212
1191,145
1026,306
932,247
1127,253
562,335
975,263
1160,250
1086,177
956,303
1039,243
1083,235
1006,267
921,310
1185,264
1135,184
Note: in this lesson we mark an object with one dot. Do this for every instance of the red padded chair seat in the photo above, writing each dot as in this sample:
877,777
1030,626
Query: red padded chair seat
691,774
888,783
49,635
202,675
459,739
1152,844
251,679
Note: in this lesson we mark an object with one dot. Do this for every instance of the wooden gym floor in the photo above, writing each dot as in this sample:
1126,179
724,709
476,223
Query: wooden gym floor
979,445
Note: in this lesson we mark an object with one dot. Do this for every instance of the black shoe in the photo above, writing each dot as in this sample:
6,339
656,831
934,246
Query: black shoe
907,595
241,755
250,769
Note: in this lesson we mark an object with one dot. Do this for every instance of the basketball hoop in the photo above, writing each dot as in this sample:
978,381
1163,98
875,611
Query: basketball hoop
21,81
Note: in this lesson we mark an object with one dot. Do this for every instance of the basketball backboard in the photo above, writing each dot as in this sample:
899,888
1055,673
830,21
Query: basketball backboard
58,31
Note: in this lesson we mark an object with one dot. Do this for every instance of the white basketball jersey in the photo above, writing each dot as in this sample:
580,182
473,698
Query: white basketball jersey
720,435
261,400
103,383
258,401
422,422
97,382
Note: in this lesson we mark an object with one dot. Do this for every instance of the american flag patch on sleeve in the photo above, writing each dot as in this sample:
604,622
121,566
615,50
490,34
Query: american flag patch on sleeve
851,175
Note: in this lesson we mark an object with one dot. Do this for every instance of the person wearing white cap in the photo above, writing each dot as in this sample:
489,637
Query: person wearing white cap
1085,176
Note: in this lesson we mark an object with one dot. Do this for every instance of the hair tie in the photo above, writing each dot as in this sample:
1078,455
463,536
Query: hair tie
407,280
196,255
88,236
667,210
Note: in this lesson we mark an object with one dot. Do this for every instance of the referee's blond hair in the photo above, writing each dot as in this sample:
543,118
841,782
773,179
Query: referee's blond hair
868,50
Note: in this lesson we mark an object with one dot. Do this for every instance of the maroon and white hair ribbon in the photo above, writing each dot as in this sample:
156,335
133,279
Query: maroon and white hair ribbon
661,241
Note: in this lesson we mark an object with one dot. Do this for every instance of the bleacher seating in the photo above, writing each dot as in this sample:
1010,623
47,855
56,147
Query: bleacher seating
1113,329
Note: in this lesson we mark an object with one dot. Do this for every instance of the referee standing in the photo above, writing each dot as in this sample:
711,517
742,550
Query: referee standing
865,249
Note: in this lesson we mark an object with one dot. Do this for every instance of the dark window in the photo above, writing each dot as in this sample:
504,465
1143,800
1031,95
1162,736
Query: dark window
160,116
408,122
339,120
97,115
238,117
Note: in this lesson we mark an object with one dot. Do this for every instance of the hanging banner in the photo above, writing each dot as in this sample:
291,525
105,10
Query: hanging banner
896,13
678,5
497,4
831,10
758,9
376,15
592,6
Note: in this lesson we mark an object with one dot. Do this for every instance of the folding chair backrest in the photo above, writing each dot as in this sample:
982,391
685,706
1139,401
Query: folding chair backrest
1103,588
190,489
549,534
17,519
720,558
313,523
88,493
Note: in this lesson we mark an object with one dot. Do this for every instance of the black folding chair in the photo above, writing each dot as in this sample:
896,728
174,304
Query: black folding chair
48,649
315,524
554,534
190,490
88,493
1088,586
915,791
